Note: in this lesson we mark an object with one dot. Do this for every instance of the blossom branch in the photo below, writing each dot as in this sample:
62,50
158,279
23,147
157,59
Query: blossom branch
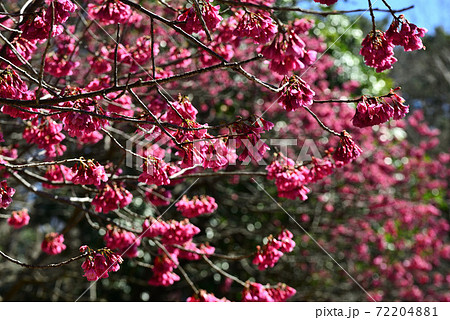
49,266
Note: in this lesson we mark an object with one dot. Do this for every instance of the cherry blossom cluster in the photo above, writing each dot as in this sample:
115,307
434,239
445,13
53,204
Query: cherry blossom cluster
80,122
53,243
296,93
287,52
204,296
111,197
19,218
163,274
248,136
256,292
196,206
46,134
39,27
257,25
378,47
374,111
269,255
191,22
124,241
13,87
110,11
88,172
57,173
98,263
290,179
347,150
156,172
6,194
171,232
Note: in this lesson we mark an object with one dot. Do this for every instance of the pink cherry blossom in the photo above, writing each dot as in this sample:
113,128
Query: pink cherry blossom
287,52
99,263
290,179
257,25
154,228
122,240
197,206
191,21
19,219
110,11
57,173
409,35
204,296
53,243
347,150
89,172
378,52
6,194
296,94
111,197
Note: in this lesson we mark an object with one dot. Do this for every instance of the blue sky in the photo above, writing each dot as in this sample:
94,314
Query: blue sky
426,13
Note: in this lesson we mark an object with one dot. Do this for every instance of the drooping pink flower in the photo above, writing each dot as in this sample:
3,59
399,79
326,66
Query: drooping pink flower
62,9
397,102
110,11
46,133
53,243
370,112
12,87
195,253
290,179
373,111
179,232
99,263
268,256
281,292
127,242
296,94
154,228
6,194
197,206
320,169
378,52
111,197
257,25
155,171
58,66
57,173
80,123
19,218
192,23
287,52
184,108
163,274
204,296
286,242
326,2
248,136
408,36
100,63
256,292
347,150
89,172
24,47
